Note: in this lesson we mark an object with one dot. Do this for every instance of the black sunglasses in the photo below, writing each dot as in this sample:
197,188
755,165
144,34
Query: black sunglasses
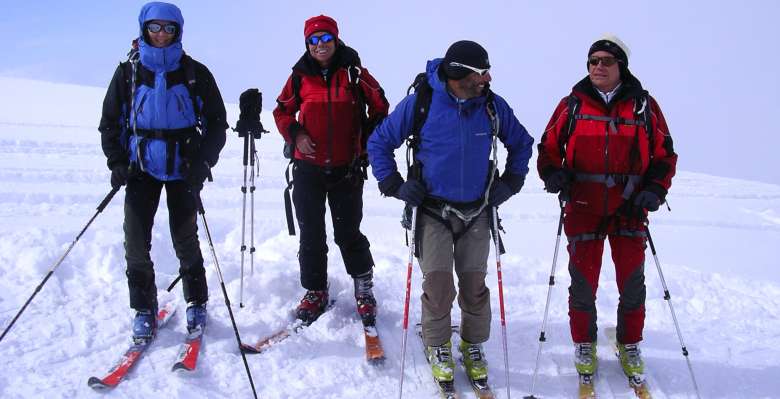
155,27
315,40
606,61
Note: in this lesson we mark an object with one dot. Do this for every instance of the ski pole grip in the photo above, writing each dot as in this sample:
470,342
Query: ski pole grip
108,198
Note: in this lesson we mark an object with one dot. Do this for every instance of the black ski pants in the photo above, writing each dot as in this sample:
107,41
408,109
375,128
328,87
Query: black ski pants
142,197
344,194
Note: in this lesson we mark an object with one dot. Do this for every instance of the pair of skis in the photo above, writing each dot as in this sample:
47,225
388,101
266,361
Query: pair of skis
447,388
375,354
637,383
185,361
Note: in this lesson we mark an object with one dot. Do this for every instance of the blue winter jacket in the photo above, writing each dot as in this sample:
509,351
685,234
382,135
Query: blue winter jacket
160,107
455,142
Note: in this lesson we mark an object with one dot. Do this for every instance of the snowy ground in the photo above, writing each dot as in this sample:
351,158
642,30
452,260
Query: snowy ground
718,250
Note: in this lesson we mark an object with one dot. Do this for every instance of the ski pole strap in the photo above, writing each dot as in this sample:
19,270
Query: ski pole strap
495,229
288,200
173,284
611,180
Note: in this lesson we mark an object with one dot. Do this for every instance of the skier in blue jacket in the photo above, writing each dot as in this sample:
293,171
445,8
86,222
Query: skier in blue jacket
163,125
455,195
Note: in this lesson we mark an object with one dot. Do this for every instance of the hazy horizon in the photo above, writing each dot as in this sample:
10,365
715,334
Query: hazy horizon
710,65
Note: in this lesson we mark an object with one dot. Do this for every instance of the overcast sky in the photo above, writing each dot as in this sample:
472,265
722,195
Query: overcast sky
712,66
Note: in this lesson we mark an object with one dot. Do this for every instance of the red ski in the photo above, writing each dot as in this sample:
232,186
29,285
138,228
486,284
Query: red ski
188,353
131,356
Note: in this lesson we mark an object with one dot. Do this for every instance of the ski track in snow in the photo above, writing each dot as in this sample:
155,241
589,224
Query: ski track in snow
717,250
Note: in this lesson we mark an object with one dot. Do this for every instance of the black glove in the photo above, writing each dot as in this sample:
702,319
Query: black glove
199,171
647,200
412,192
250,104
508,185
119,175
557,181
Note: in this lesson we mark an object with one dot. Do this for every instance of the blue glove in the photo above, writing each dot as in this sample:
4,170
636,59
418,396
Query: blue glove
412,192
647,200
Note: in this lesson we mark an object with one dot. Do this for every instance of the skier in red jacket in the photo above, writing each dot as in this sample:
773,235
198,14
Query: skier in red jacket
329,91
608,151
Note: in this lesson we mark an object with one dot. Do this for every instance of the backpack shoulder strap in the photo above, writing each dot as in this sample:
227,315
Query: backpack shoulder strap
190,81
573,105
642,112
296,86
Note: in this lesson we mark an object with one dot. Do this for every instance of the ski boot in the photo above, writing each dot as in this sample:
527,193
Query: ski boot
631,361
144,325
440,359
474,361
196,316
585,360
364,297
312,306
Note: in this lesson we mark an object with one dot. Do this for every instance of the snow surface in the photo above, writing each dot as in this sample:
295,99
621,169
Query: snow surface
718,250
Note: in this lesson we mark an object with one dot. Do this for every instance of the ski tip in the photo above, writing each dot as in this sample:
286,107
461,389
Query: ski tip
181,368
250,349
98,384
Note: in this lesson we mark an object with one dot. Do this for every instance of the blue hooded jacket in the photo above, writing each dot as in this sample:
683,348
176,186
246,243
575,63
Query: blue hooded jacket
160,107
455,142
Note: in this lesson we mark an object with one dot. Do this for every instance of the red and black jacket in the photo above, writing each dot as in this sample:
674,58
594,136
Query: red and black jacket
608,140
331,107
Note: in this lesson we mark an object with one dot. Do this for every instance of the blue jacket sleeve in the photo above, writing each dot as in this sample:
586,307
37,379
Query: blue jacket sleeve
387,137
518,142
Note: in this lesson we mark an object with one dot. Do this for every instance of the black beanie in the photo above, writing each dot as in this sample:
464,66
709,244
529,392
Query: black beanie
610,47
464,52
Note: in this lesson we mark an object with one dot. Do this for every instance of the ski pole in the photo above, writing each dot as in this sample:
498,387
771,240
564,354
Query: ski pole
406,300
253,157
243,221
100,208
496,240
668,299
202,213
551,283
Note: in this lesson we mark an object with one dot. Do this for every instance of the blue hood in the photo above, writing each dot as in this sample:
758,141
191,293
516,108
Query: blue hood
162,11
160,59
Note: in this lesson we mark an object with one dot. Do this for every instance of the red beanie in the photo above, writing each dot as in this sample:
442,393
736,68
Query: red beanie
319,23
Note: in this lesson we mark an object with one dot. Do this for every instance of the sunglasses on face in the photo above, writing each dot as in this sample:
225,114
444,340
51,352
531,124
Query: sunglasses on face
606,61
325,38
481,72
155,27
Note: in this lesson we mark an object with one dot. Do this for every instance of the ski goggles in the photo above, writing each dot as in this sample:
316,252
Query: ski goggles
315,40
606,61
154,27
481,72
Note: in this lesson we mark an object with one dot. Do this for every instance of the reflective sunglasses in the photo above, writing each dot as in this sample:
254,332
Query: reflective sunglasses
481,72
155,27
325,38
606,61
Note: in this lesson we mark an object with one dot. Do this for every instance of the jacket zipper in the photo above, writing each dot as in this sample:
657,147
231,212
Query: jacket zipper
330,123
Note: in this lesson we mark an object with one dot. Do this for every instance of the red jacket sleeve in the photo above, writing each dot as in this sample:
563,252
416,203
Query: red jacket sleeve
378,107
550,156
663,163
284,113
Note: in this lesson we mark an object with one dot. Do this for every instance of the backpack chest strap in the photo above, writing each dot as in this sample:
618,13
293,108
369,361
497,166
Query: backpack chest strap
611,180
